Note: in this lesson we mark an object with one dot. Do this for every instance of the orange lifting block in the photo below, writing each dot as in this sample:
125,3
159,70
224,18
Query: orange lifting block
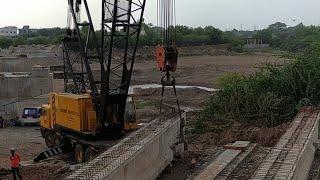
167,58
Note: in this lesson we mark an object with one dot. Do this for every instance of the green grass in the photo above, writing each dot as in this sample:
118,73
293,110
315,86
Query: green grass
146,104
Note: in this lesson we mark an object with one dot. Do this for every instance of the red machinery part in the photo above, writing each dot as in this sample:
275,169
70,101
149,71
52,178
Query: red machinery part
167,58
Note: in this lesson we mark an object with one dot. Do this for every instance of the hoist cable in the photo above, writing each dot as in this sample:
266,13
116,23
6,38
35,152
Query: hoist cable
166,21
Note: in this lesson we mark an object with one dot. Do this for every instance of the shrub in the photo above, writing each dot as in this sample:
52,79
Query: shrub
267,98
236,46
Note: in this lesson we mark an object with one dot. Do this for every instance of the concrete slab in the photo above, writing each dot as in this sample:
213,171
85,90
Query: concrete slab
212,171
238,145
220,163
235,163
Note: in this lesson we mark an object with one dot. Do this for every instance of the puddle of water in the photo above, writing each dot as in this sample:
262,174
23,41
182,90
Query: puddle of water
156,86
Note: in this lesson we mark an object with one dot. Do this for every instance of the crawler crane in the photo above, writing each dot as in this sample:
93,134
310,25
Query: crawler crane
95,106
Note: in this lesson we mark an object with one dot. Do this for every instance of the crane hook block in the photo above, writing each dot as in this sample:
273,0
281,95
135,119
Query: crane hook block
167,58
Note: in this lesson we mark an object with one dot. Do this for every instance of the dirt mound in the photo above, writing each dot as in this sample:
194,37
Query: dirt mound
267,137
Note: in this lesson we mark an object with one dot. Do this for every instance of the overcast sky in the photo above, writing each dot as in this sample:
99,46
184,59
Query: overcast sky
224,14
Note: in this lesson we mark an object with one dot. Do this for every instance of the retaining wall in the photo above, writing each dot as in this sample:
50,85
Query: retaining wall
293,155
23,64
143,155
15,86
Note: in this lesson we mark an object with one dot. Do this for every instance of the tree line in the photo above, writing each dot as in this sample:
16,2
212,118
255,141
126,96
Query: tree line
184,35
299,38
278,35
42,36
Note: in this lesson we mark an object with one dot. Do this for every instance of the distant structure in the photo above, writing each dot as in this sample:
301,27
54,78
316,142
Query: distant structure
15,85
9,31
255,43
26,30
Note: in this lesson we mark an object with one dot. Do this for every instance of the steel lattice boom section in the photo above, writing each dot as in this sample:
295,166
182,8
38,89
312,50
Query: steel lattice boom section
122,20
79,52
115,52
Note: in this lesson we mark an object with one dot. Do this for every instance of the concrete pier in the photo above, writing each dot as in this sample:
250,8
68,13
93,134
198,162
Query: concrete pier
15,85
41,80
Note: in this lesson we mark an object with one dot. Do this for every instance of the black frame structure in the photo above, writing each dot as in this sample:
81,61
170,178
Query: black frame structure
115,53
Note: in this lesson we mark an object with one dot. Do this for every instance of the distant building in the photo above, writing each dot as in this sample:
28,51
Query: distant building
255,43
9,31
26,30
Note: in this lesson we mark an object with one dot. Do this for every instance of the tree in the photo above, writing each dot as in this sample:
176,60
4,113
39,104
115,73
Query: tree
20,40
265,35
5,42
278,26
199,31
184,30
214,34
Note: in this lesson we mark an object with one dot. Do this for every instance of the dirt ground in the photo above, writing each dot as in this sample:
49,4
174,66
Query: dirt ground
201,70
26,140
194,70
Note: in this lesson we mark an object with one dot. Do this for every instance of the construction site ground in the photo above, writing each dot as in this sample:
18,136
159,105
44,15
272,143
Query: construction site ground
202,70
193,70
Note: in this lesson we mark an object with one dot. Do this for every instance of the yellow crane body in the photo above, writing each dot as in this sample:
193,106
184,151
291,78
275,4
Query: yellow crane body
72,111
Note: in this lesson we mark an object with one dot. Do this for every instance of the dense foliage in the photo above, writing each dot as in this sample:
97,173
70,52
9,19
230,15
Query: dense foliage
185,35
267,98
42,36
294,39
151,36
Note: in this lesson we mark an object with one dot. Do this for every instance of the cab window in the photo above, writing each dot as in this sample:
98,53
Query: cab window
30,112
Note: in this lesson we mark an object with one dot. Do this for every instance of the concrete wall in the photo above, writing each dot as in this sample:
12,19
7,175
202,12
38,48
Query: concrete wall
19,64
41,86
142,155
24,85
150,161
15,86
40,71
41,80
293,155
33,51
306,157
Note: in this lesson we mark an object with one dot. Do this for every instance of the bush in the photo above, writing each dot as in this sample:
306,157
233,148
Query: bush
5,42
267,98
236,46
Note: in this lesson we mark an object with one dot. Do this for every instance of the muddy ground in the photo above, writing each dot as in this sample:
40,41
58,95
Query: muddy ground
194,70
197,71
26,140
201,70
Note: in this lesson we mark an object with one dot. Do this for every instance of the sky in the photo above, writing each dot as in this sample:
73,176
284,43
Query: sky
224,14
